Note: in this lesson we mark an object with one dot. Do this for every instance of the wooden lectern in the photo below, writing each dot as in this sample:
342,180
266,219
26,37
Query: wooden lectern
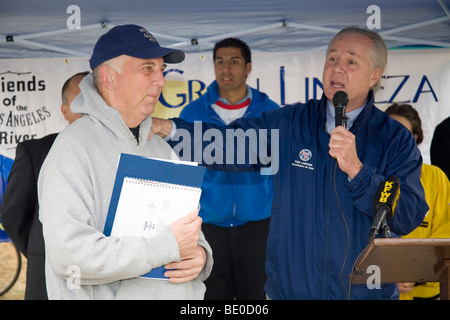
407,260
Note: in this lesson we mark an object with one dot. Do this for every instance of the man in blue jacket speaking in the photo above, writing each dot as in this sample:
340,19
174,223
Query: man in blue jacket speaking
235,206
328,176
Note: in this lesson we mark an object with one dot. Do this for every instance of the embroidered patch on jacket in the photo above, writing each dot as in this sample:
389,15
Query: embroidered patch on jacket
303,159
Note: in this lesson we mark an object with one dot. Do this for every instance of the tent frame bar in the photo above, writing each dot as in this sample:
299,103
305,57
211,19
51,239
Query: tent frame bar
24,39
208,42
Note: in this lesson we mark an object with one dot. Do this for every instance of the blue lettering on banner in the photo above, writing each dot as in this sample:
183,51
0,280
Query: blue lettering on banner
181,95
184,99
282,87
316,83
419,90
401,85
198,92
397,90
313,88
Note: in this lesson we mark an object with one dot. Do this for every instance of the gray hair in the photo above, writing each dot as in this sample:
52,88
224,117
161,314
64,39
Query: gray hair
115,63
378,55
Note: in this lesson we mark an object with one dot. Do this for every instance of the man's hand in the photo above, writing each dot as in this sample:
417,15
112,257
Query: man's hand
192,256
187,269
160,127
187,232
405,287
343,148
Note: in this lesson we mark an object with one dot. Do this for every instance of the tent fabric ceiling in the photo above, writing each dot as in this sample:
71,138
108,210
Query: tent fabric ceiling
38,29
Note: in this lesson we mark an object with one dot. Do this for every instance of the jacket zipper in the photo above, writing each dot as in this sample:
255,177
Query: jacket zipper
327,244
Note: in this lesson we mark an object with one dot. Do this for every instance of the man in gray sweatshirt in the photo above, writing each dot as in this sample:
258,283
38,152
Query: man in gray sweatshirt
77,178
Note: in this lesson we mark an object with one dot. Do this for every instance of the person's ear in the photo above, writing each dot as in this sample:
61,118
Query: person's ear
416,136
64,112
376,75
248,68
107,76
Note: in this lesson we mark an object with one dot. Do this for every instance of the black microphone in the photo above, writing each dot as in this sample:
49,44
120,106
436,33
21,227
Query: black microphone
340,100
384,204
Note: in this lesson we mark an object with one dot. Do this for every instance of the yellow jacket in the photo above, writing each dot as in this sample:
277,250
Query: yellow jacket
436,223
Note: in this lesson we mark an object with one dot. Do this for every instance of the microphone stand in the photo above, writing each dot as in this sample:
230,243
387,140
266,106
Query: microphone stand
385,230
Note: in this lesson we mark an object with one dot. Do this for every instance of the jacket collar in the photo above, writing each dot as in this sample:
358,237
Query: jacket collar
212,95
365,114
362,118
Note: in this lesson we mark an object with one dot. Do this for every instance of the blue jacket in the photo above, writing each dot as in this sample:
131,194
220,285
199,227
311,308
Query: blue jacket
307,244
232,198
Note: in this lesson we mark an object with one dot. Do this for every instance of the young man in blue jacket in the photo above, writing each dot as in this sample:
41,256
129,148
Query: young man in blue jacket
235,206
328,176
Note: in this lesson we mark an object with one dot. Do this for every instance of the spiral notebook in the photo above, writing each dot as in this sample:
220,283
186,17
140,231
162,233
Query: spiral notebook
148,195
145,207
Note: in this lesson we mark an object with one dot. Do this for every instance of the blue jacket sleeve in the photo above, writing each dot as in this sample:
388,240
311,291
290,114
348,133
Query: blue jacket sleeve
405,163
247,144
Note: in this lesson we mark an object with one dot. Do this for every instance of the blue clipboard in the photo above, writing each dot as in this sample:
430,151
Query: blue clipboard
150,169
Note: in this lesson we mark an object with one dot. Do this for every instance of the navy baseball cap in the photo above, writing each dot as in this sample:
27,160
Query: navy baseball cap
134,41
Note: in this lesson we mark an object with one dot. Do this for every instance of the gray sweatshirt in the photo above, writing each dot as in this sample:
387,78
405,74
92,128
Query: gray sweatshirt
75,186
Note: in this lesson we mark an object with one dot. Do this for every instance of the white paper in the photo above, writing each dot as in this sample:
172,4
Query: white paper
146,207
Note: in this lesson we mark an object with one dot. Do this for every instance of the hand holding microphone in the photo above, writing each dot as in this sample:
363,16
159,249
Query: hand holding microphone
342,142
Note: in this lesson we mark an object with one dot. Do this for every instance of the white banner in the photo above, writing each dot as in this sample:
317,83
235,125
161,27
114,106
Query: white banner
30,89
30,98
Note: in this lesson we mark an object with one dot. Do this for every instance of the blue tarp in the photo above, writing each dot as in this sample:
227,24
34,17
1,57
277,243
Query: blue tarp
5,168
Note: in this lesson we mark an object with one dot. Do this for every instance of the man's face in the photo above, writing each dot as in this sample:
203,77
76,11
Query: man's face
230,69
348,68
139,86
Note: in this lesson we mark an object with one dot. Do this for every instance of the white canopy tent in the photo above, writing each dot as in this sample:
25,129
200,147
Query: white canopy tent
53,28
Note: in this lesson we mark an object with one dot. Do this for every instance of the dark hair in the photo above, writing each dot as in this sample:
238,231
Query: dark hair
234,43
66,85
411,114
